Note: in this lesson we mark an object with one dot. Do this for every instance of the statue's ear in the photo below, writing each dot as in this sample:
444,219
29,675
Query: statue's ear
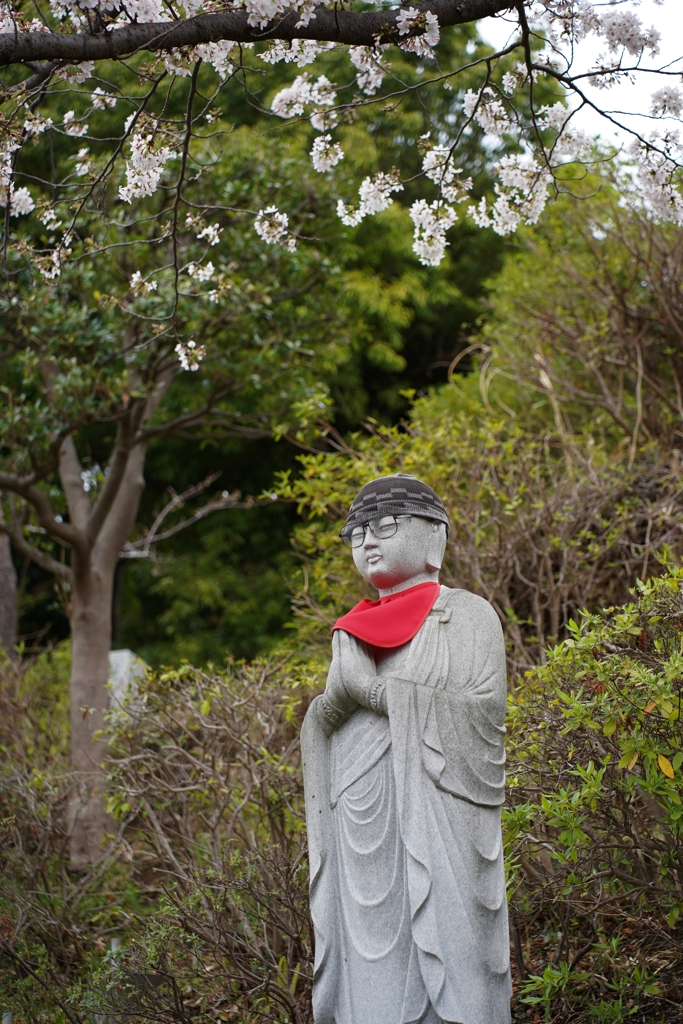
436,547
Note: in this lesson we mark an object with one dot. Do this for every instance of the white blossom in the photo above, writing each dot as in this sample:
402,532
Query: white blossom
50,267
140,287
667,100
431,224
202,273
20,202
375,196
190,355
49,218
147,11
144,168
419,44
325,155
36,125
488,110
513,79
655,176
37,26
90,478
624,29
273,227
76,73
437,165
299,52
406,20
521,195
179,62
211,233
303,92
19,199
84,164
71,127
217,55
101,99
370,73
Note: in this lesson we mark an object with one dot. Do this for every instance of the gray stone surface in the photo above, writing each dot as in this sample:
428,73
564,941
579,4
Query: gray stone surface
404,777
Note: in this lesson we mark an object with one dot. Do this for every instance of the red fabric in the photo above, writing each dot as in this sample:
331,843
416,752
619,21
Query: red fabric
393,620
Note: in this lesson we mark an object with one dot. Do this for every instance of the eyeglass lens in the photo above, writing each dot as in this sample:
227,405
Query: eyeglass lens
380,527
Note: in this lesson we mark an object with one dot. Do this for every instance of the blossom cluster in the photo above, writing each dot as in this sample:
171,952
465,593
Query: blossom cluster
273,227
298,51
303,92
190,355
144,168
325,155
366,60
20,199
521,195
408,20
375,196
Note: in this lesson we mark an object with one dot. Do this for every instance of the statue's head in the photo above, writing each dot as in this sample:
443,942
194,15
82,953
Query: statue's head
397,529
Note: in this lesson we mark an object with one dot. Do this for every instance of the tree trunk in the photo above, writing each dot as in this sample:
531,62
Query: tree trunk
91,597
8,597
92,588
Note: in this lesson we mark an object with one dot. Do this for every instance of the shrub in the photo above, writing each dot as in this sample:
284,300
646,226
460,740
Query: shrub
594,821
205,772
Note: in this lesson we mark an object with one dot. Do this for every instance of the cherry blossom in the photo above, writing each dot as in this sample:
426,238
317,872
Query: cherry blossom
101,99
140,287
201,273
143,171
273,227
431,224
325,155
71,127
375,196
370,71
190,355
667,101
521,195
211,233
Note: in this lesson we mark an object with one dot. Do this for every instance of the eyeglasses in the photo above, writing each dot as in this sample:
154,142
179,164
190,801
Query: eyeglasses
381,527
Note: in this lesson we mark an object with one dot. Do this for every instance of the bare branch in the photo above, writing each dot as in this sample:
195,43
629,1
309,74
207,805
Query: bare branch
143,548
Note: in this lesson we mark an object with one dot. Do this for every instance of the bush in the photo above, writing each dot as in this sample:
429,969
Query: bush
206,775
55,925
594,820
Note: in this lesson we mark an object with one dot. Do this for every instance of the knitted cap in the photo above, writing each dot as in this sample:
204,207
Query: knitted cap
397,495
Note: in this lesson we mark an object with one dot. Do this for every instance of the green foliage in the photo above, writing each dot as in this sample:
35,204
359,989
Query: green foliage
541,527
55,926
593,826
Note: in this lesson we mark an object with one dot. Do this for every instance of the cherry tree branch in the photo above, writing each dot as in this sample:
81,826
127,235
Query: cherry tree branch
339,26
143,548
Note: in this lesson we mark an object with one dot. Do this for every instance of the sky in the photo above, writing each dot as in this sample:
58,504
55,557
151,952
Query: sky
667,19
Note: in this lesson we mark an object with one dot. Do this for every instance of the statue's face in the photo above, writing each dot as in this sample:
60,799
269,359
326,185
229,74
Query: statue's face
387,562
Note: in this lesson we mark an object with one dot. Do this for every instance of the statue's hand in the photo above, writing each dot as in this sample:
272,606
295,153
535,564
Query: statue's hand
358,669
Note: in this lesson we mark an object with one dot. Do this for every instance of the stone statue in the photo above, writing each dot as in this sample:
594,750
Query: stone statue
404,780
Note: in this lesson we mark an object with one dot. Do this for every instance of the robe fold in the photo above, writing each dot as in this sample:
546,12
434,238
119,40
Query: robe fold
407,892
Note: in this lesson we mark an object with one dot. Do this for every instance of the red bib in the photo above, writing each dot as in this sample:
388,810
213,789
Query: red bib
393,620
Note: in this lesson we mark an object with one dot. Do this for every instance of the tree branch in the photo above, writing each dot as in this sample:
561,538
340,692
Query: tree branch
143,548
40,558
72,482
30,492
339,26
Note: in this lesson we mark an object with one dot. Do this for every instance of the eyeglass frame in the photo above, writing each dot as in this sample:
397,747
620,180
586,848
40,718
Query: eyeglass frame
368,526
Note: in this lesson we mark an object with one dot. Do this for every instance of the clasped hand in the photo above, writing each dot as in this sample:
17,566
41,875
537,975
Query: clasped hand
352,673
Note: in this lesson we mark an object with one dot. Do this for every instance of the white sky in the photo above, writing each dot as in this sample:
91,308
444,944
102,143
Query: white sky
667,19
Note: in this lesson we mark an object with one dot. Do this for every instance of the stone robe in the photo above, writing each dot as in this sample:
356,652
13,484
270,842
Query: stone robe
407,887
